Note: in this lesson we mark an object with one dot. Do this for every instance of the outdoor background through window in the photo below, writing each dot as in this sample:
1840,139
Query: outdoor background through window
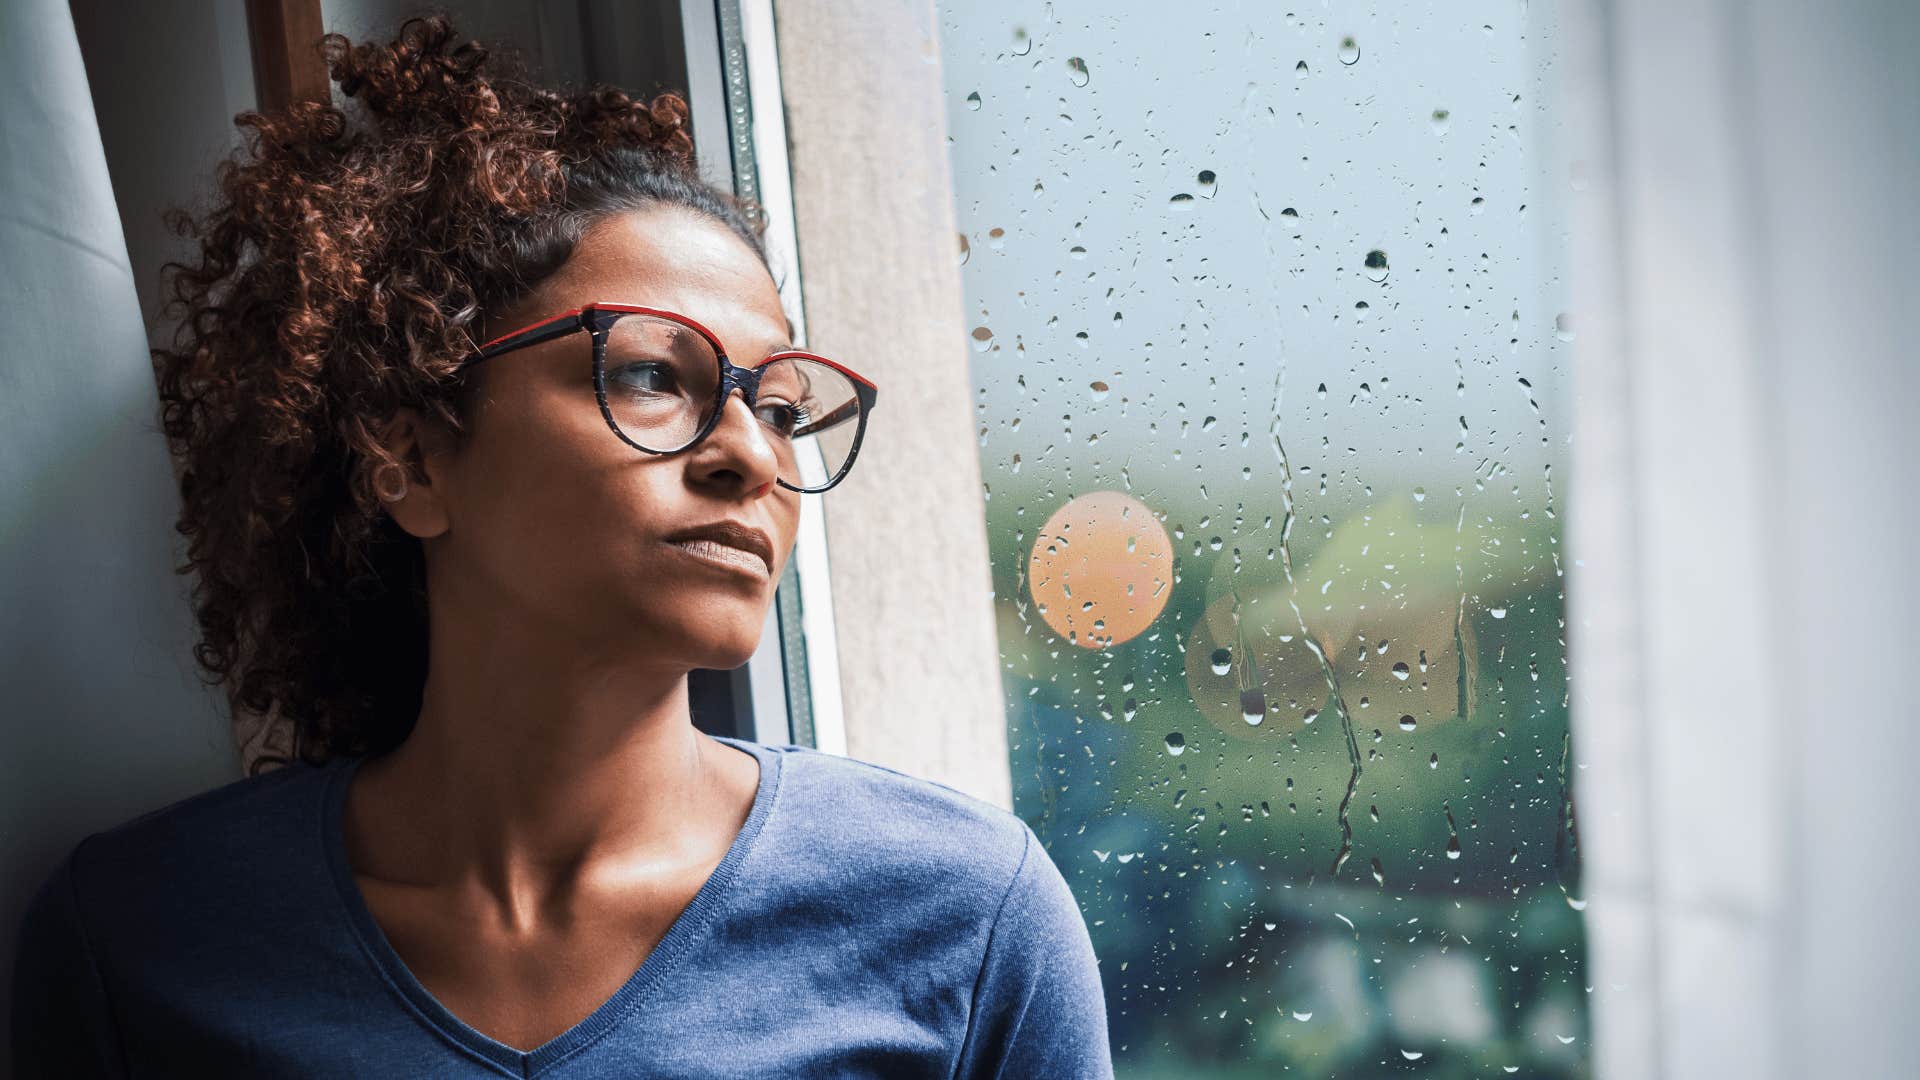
1270,353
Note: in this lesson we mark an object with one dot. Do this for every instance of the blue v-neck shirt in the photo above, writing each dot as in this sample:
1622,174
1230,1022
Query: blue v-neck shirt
864,923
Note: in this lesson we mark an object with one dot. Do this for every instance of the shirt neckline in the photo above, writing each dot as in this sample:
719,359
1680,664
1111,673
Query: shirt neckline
685,929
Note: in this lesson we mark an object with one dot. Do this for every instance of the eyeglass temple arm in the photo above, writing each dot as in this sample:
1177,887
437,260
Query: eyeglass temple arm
847,411
547,330
864,395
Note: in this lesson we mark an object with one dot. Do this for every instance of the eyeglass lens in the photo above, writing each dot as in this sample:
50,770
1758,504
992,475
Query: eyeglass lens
662,377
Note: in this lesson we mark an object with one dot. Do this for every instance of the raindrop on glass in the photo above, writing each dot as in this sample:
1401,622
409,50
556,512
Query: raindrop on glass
1441,120
1077,71
1401,671
982,339
1099,389
1376,265
973,100
1408,723
1221,661
1349,51
1176,743
1253,706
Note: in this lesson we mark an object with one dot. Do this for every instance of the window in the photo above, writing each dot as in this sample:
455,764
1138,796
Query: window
1270,354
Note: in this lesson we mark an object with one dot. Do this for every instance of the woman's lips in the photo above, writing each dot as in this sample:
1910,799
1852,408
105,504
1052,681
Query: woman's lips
717,554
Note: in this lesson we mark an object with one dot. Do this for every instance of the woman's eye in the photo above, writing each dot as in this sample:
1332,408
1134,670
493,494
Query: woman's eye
651,377
782,417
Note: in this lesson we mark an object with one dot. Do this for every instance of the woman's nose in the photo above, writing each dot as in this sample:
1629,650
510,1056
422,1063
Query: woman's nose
739,443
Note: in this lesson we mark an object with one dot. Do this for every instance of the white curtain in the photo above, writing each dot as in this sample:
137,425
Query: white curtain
1743,601
101,717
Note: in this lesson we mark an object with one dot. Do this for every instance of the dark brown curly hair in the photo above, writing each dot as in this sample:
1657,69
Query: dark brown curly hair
344,269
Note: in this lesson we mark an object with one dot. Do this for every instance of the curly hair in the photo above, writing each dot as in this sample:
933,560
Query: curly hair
343,270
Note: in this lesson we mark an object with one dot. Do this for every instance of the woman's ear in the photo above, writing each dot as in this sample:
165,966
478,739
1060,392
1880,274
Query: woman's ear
417,493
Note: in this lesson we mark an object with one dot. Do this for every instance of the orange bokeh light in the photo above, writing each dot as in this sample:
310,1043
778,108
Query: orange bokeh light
1101,569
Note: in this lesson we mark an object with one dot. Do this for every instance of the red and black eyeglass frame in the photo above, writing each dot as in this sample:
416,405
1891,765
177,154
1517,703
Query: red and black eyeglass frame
598,318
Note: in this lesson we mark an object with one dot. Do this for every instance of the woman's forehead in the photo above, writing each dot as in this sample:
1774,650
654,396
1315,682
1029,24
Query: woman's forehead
681,261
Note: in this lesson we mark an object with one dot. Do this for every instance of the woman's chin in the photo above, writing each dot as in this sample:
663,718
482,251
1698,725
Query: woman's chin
723,653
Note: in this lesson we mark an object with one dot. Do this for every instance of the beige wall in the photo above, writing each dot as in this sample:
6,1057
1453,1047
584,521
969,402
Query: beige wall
879,258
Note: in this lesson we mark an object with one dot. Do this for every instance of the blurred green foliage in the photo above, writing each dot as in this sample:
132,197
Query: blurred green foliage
1229,946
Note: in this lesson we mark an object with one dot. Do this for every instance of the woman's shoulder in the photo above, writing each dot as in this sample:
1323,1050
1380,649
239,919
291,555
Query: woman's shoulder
877,796
156,884
206,835
238,803
853,812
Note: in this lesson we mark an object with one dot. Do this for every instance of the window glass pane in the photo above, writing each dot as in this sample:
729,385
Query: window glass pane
1270,344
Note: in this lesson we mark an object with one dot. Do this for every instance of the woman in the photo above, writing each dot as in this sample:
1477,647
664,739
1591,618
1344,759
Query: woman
470,490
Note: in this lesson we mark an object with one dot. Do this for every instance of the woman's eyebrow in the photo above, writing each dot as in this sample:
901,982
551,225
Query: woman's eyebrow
787,345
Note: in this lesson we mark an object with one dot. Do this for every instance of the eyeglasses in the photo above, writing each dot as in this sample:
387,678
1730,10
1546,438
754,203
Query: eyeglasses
662,381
